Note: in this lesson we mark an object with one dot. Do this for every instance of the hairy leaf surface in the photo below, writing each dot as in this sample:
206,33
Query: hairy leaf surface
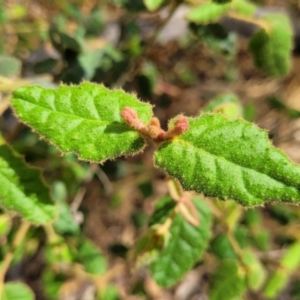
230,160
208,12
184,248
272,46
22,190
85,119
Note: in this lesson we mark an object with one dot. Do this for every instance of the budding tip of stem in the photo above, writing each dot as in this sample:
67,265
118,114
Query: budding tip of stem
181,125
129,115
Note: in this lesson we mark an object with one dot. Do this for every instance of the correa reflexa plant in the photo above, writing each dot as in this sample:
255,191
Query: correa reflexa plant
208,154
214,154
200,160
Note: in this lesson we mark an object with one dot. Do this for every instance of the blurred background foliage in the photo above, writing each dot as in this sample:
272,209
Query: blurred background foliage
96,248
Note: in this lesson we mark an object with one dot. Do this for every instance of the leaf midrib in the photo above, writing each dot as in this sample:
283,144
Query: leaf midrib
100,122
189,144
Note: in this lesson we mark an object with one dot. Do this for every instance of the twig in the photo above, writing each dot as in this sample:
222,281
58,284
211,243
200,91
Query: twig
107,185
77,199
18,239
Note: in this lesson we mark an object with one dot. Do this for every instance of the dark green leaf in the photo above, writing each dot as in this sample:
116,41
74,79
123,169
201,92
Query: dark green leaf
163,208
227,282
184,248
222,248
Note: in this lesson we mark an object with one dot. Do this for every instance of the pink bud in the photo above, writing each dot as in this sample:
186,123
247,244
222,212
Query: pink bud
181,125
129,115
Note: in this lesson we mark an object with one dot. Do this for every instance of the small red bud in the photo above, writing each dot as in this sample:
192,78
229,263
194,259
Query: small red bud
129,115
155,122
181,125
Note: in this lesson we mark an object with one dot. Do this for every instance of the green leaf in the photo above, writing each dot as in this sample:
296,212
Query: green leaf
184,248
110,293
95,22
104,58
91,257
221,1
2,140
16,290
222,248
243,7
153,5
227,104
9,66
272,46
63,41
289,263
45,66
262,240
65,223
227,282
85,119
52,282
291,258
163,208
22,189
208,12
5,224
58,252
256,273
230,160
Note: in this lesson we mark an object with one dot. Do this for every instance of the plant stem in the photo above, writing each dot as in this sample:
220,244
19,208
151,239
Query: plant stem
18,239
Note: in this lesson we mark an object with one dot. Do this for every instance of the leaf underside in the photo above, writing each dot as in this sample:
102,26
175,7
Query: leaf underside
184,248
85,119
22,190
230,160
